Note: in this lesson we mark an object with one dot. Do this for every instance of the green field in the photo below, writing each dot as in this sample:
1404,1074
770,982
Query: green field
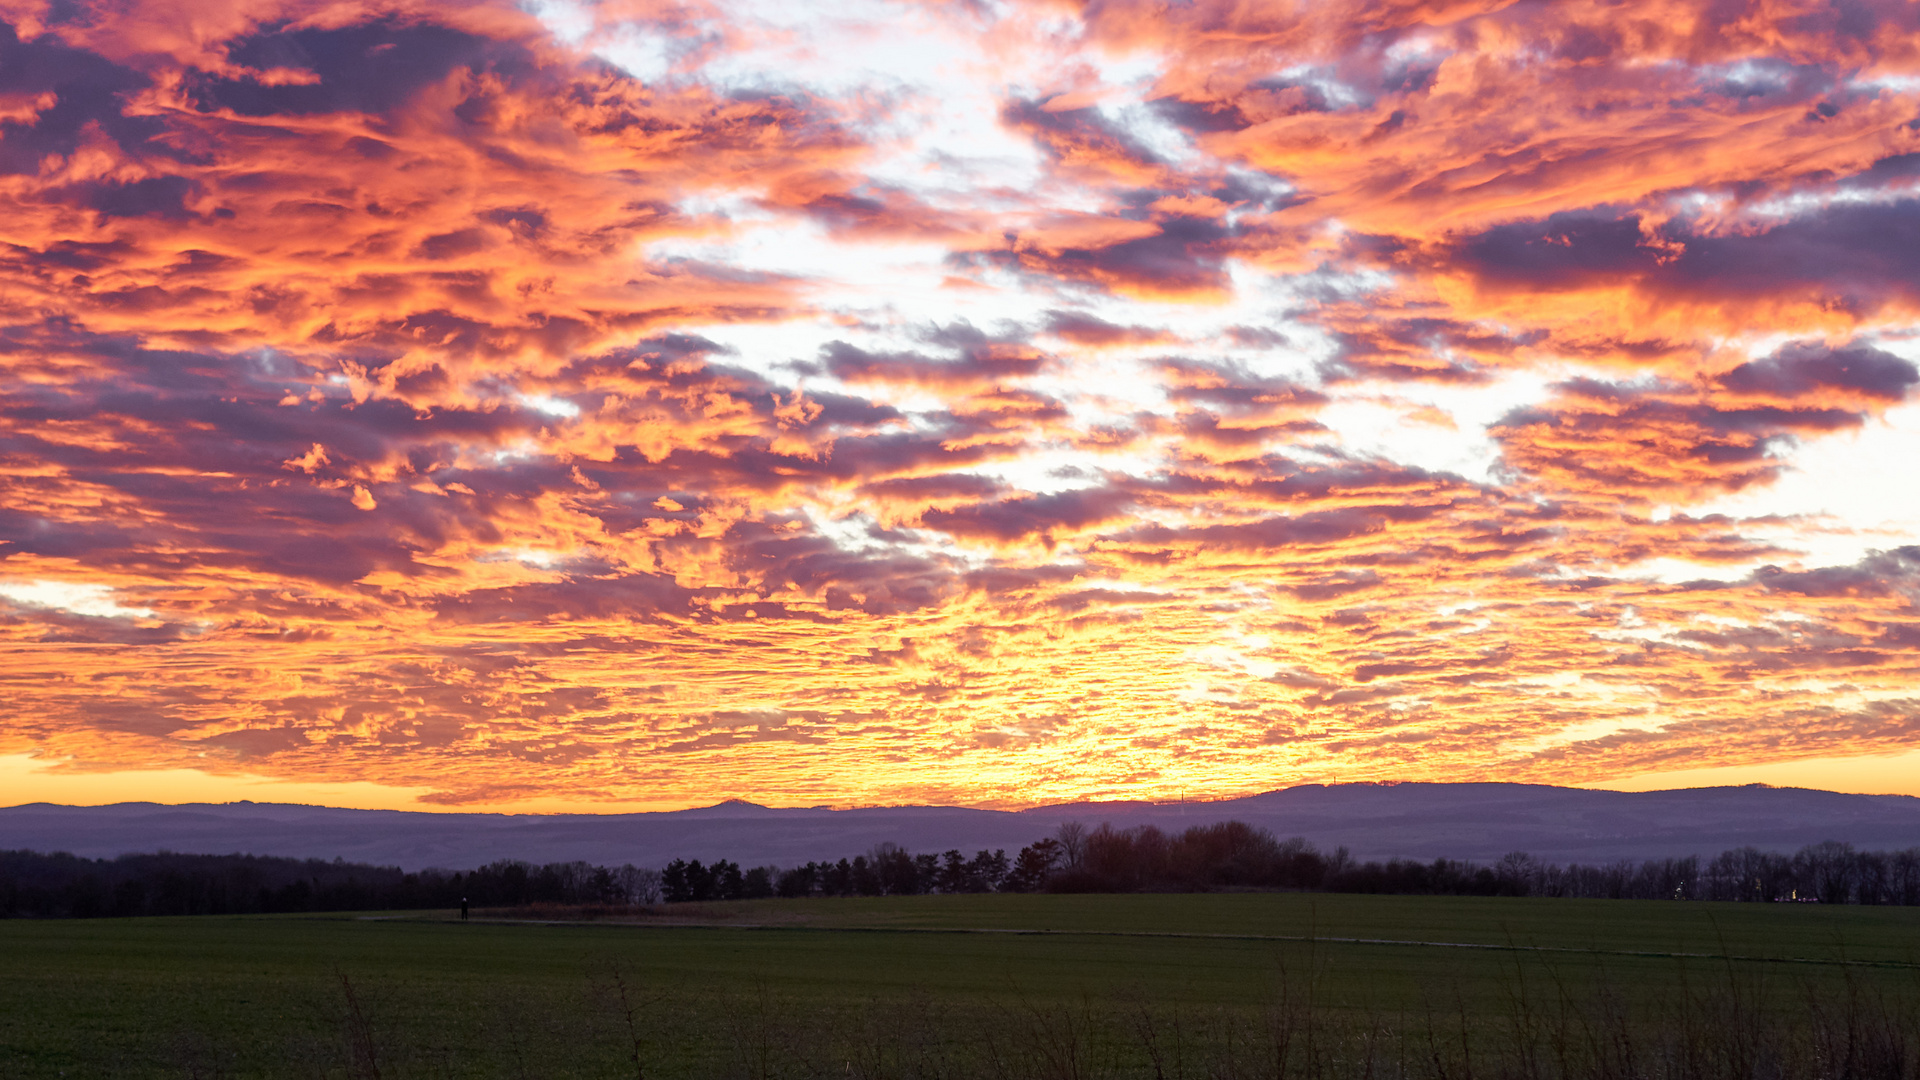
1067,986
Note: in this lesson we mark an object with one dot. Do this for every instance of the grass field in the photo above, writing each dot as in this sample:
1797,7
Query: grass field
1067,986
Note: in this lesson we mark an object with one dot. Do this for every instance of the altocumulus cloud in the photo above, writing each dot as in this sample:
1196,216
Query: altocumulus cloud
664,399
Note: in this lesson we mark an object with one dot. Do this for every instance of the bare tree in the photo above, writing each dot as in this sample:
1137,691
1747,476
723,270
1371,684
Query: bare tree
1073,843
1828,869
1518,872
1904,868
639,885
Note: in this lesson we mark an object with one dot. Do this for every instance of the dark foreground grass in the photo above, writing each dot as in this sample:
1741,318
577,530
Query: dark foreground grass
963,987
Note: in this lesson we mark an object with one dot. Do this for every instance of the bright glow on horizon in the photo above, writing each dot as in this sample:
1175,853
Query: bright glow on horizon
1887,774
28,780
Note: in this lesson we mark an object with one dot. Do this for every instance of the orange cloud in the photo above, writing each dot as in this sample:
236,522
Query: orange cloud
407,395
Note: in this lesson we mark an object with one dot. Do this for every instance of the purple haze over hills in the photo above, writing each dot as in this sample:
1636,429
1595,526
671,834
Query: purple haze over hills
1421,821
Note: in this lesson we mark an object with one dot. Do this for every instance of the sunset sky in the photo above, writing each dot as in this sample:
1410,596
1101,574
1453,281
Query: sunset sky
629,405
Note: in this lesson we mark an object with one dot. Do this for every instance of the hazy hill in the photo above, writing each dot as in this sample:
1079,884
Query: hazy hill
1463,821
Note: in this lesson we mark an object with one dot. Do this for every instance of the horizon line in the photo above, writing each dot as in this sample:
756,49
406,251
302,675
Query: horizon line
830,808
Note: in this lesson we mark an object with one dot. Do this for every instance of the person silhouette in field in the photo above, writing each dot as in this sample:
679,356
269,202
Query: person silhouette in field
463,907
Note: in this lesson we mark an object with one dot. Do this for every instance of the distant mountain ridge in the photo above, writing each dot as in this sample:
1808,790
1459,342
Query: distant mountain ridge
1410,820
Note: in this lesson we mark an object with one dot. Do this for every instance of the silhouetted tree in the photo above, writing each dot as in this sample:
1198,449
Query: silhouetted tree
1072,836
837,880
1032,865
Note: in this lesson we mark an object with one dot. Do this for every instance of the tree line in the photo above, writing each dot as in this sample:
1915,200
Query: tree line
1225,856
1235,855
887,870
60,885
